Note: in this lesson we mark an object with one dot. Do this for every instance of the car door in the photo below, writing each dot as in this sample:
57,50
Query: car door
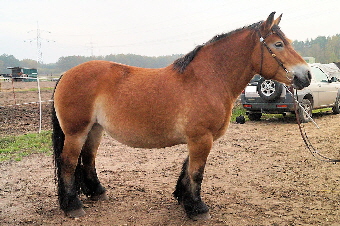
324,91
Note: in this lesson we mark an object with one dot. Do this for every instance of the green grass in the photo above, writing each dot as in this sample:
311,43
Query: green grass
237,111
16,147
35,89
322,110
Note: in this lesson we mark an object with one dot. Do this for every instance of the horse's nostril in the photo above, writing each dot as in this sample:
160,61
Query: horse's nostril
309,75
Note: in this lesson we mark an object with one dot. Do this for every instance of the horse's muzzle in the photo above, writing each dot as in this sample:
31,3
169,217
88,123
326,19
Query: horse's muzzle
302,77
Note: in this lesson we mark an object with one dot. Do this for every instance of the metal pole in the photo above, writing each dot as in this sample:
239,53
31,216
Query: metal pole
40,108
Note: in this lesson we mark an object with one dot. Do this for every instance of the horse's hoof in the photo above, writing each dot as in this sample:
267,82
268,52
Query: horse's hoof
202,216
102,197
76,213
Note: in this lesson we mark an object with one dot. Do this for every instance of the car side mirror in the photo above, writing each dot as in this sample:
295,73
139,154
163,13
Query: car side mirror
333,79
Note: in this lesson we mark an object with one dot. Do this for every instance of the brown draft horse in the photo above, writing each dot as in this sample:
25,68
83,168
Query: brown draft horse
189,102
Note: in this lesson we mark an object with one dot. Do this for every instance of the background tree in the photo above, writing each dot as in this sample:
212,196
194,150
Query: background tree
28,63
8,61
323,49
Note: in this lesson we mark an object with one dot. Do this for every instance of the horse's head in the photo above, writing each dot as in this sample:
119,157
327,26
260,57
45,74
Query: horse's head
275,58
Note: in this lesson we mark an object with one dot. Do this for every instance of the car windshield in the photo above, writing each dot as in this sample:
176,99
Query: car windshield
318,75
256,78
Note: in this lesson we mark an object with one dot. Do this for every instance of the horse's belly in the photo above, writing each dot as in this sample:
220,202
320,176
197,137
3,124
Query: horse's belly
145,140
140,125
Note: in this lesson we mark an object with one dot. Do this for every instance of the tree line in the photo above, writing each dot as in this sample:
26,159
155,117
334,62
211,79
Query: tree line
323,49
65,63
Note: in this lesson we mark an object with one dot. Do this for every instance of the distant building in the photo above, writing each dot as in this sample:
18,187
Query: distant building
24,74
310,60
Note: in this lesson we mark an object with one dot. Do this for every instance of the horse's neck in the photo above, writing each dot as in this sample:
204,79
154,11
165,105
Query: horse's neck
228,62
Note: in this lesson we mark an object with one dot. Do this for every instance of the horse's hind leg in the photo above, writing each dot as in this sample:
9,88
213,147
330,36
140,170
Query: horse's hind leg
90,183
68,189
188,188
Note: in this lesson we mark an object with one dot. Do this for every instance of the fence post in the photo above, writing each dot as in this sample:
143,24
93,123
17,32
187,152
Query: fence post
40,108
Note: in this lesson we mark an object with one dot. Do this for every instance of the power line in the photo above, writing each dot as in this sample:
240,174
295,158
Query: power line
38,40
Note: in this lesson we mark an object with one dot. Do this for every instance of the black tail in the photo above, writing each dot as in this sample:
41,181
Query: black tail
58,138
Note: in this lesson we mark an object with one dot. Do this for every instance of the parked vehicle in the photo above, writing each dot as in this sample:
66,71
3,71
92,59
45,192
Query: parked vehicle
269,96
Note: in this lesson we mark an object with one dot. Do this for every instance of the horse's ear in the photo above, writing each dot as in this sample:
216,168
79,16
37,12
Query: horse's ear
277,21
269,22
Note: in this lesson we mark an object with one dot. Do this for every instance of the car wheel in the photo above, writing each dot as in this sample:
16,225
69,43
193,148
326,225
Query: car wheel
254,116
269,89
306,104
336,107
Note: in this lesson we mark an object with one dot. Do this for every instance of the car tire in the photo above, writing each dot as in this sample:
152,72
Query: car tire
269,90
336,107
307,105
254,116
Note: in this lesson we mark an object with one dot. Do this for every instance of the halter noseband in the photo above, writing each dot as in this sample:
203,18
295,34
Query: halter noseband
262,40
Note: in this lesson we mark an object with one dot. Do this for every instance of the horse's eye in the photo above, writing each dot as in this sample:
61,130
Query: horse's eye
279,45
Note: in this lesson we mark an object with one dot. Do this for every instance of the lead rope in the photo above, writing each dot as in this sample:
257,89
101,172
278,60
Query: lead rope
303,133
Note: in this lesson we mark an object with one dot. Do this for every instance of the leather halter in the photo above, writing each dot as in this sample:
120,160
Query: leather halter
264,44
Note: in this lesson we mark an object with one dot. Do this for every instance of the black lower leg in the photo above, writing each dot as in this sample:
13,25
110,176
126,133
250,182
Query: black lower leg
89,182
68,195
91,185
188,191
183,179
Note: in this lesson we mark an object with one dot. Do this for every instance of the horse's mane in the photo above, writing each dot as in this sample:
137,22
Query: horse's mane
181,63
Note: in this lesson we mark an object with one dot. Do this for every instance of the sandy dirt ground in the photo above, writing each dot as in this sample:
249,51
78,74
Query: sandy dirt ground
259,173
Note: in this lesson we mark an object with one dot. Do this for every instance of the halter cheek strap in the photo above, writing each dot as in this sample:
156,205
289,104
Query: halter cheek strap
262,40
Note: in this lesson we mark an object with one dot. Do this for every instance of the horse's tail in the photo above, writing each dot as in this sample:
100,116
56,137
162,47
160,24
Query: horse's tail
58,138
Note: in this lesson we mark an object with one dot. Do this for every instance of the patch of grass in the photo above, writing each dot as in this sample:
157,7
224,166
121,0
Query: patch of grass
322,110
35,89
237,111
16,147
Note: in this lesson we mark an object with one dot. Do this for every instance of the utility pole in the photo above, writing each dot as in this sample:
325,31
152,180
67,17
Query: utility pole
39,53
91,47
38,39
39,61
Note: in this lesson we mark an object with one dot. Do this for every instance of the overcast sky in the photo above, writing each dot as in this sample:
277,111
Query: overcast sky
147,27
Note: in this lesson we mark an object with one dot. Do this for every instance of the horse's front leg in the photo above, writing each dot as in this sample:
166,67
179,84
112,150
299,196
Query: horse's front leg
188,188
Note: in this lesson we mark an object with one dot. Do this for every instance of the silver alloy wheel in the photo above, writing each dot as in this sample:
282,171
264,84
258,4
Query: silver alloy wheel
268,87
